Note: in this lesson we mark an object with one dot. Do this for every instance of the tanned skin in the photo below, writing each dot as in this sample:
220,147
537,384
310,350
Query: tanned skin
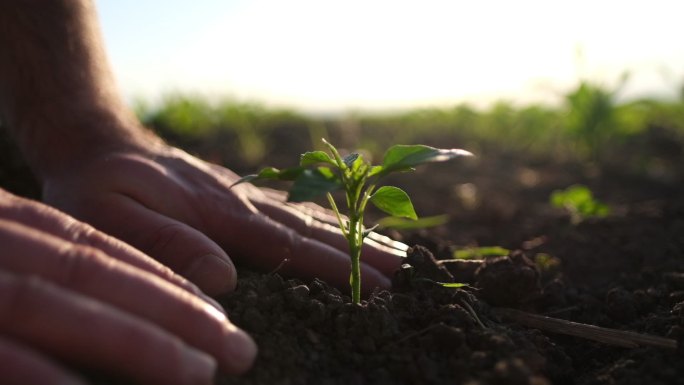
114,270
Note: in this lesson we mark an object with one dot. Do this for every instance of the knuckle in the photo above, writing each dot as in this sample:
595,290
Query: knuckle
76,264
80,232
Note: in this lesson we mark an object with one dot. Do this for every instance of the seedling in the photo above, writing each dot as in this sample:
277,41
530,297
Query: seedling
480,252
321,173
580,203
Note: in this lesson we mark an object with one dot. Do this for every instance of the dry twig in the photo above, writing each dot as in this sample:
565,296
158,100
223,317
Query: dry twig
607,336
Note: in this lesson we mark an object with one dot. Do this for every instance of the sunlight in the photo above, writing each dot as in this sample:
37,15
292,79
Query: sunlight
321,55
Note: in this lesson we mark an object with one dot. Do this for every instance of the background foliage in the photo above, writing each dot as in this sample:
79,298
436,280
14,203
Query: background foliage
589,127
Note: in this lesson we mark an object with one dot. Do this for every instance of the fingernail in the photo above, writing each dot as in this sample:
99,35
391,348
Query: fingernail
241,351
213,275
199,368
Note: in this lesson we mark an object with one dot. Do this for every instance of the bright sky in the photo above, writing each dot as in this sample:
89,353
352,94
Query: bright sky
333,56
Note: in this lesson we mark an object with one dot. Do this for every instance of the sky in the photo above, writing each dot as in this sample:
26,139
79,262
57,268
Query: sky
337,56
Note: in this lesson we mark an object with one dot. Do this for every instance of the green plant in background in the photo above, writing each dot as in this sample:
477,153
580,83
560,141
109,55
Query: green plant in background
321,173
480,252
412,224
580,203
592,115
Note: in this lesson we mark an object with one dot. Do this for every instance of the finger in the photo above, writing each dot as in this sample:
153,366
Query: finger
54,222
85,332
182,248
23,366
306,257
89,272
385,259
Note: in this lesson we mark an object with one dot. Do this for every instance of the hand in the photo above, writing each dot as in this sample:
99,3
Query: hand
70,294
181,211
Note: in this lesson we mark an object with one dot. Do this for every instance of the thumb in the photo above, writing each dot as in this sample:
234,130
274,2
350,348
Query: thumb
182,248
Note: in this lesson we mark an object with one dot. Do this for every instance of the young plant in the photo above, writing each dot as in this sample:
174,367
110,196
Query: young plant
480,252
321,173
579,202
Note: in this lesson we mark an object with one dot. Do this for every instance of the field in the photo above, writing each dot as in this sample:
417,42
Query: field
619,267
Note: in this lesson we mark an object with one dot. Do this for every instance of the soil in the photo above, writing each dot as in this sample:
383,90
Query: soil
624,271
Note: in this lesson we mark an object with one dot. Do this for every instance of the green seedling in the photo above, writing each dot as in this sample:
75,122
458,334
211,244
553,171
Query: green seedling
580,203
480,252
321,173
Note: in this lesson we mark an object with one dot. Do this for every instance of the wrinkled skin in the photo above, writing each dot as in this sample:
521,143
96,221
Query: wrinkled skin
70,292
184,213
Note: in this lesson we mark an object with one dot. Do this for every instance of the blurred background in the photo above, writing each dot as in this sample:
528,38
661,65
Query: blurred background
380,55
246,83
548,95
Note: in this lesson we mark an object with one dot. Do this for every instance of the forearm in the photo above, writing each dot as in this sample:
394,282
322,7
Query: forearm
57,93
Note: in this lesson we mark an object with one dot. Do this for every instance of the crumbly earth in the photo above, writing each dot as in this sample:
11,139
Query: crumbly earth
625,271
418,333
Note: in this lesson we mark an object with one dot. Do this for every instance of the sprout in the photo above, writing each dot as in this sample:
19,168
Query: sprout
320,173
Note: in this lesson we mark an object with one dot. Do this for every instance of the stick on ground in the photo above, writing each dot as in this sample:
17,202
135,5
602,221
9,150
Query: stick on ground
608,336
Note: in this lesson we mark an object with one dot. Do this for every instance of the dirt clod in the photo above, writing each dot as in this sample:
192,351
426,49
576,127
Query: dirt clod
508,280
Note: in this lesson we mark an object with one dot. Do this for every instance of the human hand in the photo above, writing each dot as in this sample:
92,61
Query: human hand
70,294
181,211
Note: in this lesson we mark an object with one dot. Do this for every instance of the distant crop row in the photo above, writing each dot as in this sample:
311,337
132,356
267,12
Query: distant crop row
589,126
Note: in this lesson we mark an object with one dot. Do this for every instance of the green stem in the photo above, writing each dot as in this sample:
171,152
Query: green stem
355,233
340,222
357,207
364,200
355,253
336,155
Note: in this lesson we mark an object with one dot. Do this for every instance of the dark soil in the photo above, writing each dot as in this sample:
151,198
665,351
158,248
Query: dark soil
625,271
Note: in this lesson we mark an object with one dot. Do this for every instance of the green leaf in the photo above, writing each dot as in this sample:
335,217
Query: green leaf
578,199
394,201
375,170
315,157
408,224
333,150
271,173
572,196
284,174
405,157
311,184
453,285
480,252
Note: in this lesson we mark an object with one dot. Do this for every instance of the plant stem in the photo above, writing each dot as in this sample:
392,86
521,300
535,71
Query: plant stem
354,236
340,222
355,240
355,253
